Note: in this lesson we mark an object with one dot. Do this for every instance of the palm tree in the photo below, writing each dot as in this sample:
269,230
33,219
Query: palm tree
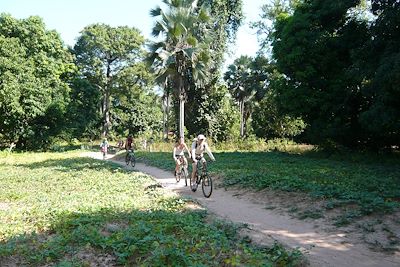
239,80
182,55
166,101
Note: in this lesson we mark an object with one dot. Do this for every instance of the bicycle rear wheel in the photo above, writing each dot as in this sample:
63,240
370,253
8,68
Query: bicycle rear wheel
185,174
206,185
127,159
133,160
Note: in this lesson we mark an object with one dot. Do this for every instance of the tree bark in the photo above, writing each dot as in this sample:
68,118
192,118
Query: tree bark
106,101
241,107
181,116
167,118
166,110
164,135
106,117
180,62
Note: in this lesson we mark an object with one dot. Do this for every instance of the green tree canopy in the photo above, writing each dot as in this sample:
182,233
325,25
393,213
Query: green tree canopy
380,62
182,55
339,63
103,53
313,48
35,67
247,81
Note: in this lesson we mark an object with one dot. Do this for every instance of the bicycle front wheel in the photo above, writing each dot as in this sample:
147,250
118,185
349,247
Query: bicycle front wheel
193,185
127,159
178,176
206,185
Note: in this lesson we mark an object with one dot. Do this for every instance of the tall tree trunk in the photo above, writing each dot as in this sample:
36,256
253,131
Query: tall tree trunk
164,135
181,89
181,116
167,118
166,110
241,107
106,117
106,102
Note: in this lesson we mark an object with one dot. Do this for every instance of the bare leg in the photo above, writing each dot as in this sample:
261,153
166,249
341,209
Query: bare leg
194,172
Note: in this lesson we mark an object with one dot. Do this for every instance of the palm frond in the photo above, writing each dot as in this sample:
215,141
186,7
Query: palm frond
155,12
164,55
153,47
176,31
191,41
158,28
203,15
189,52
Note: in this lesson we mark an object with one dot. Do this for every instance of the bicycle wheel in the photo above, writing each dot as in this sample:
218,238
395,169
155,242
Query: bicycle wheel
127,159
193,185
133,160
185,174
206,185
178,176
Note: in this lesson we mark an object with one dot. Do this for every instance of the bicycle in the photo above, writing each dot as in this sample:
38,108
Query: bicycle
183,171
130,158
104,152
203,178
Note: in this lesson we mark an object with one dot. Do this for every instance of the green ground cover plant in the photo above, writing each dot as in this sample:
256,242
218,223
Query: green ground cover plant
65,210
371,184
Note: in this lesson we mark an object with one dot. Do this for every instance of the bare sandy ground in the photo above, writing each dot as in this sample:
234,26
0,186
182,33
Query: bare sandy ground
321,248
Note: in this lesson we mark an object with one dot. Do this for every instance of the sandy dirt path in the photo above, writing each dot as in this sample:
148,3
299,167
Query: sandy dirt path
320,248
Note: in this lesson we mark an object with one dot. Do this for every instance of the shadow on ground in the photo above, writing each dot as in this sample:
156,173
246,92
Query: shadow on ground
150,237
70,164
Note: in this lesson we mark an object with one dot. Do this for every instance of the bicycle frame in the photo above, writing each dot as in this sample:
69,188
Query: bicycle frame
200,166
203,178
181,161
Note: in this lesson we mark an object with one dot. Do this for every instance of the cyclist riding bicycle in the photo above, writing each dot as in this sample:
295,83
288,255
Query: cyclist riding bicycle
104,147
129,143
179,151
199,146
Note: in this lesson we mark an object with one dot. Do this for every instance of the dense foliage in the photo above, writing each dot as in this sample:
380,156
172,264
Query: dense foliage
209,109
34,72
327,73
110,60
339,60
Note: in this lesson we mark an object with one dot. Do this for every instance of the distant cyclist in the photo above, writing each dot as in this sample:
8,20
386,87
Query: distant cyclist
179,151
199,146
129,143
104,147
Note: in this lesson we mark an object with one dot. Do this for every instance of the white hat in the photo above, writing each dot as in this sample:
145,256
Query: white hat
201,137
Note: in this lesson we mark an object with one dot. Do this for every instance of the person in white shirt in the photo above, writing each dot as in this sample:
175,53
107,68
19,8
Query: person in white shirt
179,151
199,146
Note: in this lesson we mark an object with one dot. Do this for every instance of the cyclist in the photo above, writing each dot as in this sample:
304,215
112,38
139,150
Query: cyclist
129,143
199,146
120,144
179,151
104,147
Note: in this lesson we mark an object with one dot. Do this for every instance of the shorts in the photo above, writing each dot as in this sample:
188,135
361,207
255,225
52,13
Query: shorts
201,159
177,159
